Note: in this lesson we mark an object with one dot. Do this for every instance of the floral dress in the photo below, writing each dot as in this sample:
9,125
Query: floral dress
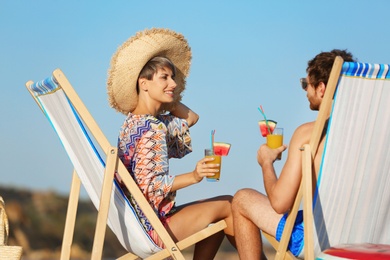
145,144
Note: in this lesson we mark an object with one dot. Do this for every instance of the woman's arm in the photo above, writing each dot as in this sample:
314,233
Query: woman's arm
201,170
184,112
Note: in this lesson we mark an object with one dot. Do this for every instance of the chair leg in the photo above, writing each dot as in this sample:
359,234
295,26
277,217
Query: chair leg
70,217
308,202
193,239
128,256
101,223
275,244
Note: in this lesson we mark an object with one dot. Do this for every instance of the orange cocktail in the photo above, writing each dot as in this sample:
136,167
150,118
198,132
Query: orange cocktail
275,140
217,160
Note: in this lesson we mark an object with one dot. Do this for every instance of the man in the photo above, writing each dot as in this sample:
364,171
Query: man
254,211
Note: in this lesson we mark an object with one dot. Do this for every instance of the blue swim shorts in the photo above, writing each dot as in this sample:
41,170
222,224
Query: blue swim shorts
296,241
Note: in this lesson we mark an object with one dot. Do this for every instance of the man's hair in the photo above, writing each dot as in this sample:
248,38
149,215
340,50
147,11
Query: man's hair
153,65
319,68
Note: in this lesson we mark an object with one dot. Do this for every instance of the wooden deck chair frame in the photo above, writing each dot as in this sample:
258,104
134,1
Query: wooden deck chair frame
308,181
306,187
113,164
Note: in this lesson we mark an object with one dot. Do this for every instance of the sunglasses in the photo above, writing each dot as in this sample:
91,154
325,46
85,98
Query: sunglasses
304,83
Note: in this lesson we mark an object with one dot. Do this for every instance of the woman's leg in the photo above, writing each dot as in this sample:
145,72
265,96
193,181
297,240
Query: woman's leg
208,248
193,217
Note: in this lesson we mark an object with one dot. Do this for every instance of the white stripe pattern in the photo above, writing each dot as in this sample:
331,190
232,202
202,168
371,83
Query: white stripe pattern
90,169
353,205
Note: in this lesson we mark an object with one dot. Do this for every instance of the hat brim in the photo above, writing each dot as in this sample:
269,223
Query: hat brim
128,61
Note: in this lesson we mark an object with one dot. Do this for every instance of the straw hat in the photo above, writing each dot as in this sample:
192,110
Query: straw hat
132,55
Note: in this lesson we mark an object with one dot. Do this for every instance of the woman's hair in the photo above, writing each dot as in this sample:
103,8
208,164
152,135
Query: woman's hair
320,66
153,65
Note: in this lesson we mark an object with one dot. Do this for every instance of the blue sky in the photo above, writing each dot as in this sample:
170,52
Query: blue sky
245,54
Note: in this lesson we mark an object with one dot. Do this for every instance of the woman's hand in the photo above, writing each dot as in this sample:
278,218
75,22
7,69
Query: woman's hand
204,170
184,112
201,170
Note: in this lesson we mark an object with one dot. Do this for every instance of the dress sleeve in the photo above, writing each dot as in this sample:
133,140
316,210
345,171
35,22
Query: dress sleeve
178,136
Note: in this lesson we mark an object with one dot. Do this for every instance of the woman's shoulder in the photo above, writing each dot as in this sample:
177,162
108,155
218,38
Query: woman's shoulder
137,121
169,119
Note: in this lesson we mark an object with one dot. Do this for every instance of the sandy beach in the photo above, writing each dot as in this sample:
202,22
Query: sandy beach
268,249
231,253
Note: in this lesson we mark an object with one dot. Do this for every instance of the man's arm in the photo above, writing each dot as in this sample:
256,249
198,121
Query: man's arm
282,191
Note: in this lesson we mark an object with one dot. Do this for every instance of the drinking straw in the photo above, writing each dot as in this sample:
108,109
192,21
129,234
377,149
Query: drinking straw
212,140
265,118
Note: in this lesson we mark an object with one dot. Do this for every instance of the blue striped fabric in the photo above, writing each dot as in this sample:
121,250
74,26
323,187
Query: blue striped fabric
366,70
45,86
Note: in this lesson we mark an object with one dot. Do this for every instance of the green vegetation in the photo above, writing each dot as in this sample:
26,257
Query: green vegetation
37,221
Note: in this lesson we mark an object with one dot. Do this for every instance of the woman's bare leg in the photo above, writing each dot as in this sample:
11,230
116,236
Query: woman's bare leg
193,217
208,248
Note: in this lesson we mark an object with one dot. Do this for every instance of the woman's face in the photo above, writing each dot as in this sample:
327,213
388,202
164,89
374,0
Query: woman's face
161,88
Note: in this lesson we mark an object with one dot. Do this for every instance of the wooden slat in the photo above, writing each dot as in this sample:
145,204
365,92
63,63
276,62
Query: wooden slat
113,164
70,217
315,139
101,223
307,162
122,171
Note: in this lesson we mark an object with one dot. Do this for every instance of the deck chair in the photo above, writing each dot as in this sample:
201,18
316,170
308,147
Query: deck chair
349,201
95,161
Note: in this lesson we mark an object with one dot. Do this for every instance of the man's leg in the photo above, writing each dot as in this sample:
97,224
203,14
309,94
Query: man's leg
252,212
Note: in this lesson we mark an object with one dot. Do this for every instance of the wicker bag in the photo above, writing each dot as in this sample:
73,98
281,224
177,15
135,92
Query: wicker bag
6,252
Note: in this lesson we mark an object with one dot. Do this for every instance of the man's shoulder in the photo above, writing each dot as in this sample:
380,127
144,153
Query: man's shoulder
303,133
306,127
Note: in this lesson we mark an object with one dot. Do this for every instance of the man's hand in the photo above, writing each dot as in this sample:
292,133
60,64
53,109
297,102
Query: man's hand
266,155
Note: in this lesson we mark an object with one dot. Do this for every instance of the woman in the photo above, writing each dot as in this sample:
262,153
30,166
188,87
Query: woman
146,79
